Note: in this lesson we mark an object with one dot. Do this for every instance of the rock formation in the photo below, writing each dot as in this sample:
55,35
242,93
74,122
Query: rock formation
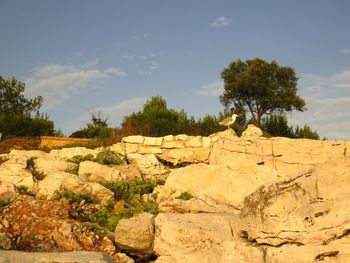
225,199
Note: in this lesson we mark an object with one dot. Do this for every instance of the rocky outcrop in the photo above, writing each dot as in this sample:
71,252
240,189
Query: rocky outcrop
38,225
148,164
219,183
95,172
136,234
200,238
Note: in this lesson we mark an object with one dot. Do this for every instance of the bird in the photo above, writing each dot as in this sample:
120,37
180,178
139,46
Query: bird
229,120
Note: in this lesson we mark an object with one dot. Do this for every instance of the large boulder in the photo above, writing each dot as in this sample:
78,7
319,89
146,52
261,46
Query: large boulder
136,234
200,238
220,183
60,181
310,211
49,166
148,164
68,153
252,131
95,172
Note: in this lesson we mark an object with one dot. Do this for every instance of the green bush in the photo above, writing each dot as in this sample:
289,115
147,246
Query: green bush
73,197
105,157
4,202
184,196
30,165
73,169
110,157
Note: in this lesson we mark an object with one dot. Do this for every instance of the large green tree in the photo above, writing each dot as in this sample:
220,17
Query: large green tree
260,88
20,116
12,100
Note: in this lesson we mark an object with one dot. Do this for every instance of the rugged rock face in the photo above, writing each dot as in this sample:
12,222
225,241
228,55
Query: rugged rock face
39,225
225,199
136,235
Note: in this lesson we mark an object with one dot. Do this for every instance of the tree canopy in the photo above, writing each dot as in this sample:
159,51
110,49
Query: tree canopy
260,88
20,116
12,100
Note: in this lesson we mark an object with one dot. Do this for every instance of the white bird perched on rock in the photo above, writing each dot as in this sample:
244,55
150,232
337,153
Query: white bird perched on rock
229,121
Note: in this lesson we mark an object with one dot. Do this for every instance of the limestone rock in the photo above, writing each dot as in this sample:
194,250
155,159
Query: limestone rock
309,209
227,134
48,166
148,164
7,187
194,141
219,183
68,153
200,238
186,155
153,141
134,139
101,193
61,181
17,176
95,172
122,258
136,234
59,257
117,147
252,131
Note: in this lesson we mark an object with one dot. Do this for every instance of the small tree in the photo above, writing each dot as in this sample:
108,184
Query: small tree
20,116
260,88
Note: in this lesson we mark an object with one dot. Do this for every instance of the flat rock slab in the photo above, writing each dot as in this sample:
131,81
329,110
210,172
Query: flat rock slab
12,256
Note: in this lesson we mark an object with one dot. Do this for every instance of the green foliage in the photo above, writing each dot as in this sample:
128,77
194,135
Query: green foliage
184,196
130,191
72,169
22,189
73,197
105,157
110,157
30,165
127,189
80,158
12,100
277,125
4,202
259,87
16,112
306,132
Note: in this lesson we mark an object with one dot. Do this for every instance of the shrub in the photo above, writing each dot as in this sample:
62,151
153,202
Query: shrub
80,158
22,189
184,196
73,197
72,169
4,202
37,175
110,157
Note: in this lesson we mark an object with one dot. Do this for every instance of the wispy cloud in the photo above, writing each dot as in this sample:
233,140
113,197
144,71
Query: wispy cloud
140,36
127,57
328,103
345,51
213,89
221,21
151,67
58,83
90,63
115,113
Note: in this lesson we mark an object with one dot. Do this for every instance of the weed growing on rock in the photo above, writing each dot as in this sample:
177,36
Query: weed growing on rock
4,202
104,157
72,169
73,197
184,196
22,189
30,165
80,158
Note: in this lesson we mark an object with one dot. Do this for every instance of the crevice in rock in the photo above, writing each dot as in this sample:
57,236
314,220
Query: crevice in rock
170,165
261,163
345,233
322,213
322,256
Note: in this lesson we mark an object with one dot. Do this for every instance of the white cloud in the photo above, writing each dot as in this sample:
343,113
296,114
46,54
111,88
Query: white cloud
213,89
328,103
221,21
140,36
345,51
127,57
115,113
151,67
58,83
91,63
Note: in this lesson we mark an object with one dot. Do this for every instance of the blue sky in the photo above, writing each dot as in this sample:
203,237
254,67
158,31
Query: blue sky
112,56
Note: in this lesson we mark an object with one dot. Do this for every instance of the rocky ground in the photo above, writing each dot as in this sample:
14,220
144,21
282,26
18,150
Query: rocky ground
179,199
